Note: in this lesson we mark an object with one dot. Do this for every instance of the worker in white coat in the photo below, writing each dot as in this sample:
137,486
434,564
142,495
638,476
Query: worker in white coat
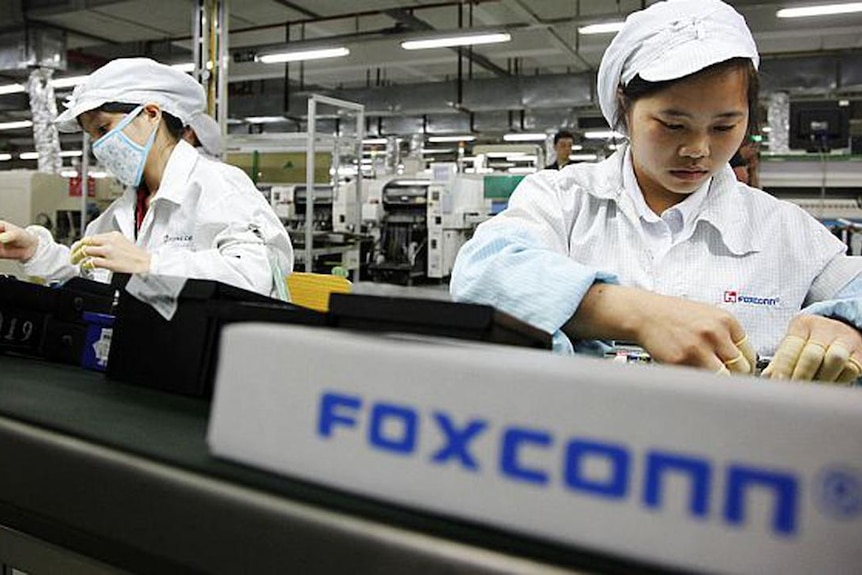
181,214
659,244
204,133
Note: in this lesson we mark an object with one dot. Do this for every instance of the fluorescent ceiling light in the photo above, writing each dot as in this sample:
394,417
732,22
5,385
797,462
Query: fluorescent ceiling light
605,28
301,55
822,10
189,67
521,170
29,155
69,82
415,182
443,139
265,119
374,141
524,137
467,39
5,157
12,89
69,173
71,154
603,135
56,83
444,151
15,125
583,157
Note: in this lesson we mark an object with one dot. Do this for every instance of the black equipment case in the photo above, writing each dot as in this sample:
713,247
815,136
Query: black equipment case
180,355
46,322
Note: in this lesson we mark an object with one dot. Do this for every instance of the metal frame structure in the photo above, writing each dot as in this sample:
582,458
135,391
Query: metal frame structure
359,109
210,49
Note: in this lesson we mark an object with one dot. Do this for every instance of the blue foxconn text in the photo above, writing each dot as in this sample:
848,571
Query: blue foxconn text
395,428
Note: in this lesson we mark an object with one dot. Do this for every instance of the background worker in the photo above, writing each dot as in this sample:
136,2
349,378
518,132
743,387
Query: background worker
204,133
180,215
563,143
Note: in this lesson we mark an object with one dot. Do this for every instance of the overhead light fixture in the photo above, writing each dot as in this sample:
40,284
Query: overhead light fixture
456,39
604,28
525,137
5,157
603,135
445,139
15,125
583,157
821,10
441,151
69,82
29,155
374,141
299,55
71,154
265,119
189,67
12,89
521,170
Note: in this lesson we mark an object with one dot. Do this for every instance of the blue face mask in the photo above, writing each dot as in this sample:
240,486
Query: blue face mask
119,154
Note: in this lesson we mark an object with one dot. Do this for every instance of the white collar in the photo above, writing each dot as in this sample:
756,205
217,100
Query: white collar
688,209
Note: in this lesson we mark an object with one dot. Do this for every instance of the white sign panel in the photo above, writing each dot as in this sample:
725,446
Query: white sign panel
666,465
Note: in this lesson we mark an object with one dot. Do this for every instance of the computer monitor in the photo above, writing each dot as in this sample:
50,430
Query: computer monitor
819,126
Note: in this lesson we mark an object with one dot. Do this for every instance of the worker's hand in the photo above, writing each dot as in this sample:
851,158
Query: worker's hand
818,348
111,251
16,243
685,332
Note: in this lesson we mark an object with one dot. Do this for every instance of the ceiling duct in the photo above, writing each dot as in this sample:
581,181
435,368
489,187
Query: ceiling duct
32,47
265,97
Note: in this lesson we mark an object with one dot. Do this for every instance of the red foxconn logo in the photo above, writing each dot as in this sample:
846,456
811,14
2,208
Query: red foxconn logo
733,296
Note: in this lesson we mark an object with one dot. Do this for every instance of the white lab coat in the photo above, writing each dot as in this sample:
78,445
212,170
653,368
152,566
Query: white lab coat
760,258
207,221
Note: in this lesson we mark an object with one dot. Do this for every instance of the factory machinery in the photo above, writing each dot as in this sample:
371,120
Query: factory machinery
412,227
418,225
829,187
336,242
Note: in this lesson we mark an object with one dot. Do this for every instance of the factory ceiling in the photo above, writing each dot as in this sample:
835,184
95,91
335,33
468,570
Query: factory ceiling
541,79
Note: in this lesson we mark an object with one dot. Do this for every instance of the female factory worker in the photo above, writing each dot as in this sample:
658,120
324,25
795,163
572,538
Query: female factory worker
181,214
659,244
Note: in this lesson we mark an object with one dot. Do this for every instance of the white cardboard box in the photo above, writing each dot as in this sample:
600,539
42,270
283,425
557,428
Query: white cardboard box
671,466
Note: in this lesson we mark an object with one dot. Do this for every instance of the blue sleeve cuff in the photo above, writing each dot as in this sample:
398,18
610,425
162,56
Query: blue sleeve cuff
520,276
847,305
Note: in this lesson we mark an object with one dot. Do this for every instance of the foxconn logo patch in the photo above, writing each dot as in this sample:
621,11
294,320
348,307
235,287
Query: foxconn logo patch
732,296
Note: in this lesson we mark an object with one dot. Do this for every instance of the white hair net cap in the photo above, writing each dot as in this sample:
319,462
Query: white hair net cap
208,133
671,40
134,81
